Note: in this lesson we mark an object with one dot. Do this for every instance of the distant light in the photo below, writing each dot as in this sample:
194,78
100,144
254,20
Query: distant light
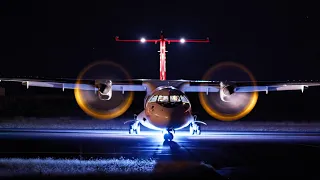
143,40
182,40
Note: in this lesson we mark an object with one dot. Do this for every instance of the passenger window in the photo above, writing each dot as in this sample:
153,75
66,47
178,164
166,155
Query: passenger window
153,98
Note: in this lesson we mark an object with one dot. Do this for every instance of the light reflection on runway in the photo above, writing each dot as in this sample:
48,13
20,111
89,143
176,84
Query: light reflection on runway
287,151
158,136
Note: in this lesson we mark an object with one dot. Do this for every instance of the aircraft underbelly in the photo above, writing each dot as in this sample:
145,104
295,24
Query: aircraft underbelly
174,120
145,121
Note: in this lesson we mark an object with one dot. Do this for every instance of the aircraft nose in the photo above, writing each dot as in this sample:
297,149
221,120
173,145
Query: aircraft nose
167,117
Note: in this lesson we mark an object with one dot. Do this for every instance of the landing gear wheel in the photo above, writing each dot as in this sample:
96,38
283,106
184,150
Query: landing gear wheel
134,128
168,137
171,136
130,129
191,130
195,129
198,131
138,129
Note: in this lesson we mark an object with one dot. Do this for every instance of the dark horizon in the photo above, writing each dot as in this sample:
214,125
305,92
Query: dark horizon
275,41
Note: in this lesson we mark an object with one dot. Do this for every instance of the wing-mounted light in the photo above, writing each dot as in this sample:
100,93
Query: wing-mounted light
226,90
105,90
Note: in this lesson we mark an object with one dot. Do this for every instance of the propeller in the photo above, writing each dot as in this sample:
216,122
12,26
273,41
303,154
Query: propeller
227,105
92,103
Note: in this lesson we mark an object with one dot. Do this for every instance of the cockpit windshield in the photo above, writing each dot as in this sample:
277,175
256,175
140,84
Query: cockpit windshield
163,99
169,99
175,98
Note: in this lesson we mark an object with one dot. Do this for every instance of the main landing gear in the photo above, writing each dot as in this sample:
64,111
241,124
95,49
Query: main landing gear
195,129
134,128
168,134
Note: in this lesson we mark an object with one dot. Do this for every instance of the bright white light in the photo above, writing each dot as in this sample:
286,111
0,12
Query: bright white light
143,40
182,40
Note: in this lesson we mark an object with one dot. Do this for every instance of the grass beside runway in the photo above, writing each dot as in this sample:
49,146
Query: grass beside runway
17,167
118,124
49,166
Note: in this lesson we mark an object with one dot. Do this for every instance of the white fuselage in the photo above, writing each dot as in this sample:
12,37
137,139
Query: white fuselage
166,108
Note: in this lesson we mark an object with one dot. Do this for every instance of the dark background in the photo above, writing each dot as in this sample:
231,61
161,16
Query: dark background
275,40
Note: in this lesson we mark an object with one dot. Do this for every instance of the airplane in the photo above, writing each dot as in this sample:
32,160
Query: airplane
166,107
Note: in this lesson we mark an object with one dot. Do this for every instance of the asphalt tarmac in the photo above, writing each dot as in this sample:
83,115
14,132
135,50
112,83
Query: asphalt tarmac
235,155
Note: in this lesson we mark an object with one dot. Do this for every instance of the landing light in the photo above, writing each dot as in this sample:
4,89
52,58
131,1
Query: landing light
182,40
143,40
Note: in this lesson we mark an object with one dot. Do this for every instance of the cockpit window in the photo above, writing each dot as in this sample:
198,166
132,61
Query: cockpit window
175,98
153,98
184,99
163,99
172,99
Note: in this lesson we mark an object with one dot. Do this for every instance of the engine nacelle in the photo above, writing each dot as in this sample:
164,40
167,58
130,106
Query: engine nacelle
226,90
105,90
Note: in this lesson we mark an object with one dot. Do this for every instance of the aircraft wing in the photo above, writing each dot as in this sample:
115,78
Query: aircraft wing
84,84
187,85
248,86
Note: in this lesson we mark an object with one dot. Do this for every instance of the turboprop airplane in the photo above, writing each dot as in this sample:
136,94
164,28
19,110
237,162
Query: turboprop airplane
166,108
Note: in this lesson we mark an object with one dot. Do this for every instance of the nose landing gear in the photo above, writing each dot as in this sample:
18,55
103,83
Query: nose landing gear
168,137
195,129
168,134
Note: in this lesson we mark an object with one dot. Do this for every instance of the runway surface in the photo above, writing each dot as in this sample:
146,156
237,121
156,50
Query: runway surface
237,155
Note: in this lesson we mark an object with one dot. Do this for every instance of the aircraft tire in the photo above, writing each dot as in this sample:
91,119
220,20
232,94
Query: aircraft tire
191,130
137,130
198,132
168,137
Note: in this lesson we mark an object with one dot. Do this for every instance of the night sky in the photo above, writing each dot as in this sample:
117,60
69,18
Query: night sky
276,41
